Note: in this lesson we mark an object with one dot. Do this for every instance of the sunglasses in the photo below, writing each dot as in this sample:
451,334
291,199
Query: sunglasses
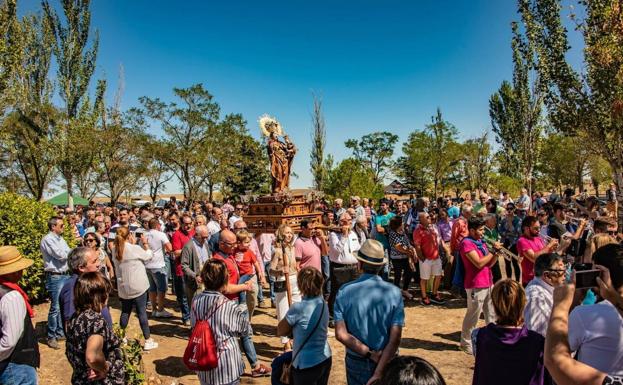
89,240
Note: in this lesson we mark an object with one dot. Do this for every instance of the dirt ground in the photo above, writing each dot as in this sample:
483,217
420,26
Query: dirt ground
431,332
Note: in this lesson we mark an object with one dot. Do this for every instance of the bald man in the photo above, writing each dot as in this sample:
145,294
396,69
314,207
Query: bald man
194,254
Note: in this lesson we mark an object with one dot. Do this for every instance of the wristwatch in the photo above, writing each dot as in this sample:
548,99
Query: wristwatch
368,354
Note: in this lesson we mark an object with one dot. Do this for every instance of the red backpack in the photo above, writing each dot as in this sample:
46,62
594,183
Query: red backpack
201,353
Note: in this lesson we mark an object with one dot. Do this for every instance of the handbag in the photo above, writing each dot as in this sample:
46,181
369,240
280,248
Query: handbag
287,366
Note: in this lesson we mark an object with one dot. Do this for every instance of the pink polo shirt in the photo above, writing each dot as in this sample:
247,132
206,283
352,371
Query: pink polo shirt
474,278
307,251
527,267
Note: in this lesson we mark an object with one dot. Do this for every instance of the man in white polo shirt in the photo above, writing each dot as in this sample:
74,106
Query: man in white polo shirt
156,268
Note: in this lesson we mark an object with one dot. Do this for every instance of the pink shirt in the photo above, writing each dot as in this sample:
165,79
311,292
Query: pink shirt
527,267
307,251
475,278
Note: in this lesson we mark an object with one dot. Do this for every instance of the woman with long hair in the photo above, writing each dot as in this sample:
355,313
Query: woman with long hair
132,282
93,241
283,264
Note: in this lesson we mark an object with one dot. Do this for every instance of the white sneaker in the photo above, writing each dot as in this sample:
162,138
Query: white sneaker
150,344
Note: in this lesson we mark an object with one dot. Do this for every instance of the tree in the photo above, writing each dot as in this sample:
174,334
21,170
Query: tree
157,173
375,151
599,171
352,177
249,172
319,136
477,162
442,146
590,102
10,48
413,167
30,126
515,111
563,161
76,64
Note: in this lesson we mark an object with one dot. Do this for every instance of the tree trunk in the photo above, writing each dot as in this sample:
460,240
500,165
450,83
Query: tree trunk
70,194
618,180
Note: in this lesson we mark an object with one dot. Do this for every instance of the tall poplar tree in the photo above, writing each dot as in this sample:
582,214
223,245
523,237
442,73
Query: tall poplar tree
319,138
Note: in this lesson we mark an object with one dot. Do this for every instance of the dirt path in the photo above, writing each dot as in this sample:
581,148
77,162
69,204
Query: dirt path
430,332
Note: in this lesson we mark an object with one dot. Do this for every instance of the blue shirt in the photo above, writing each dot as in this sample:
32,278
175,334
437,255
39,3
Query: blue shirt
66,301
303,316
383,220
370,307
454,212
55,251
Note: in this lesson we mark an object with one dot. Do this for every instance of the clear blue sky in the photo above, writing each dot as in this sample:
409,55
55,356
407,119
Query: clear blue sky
379,65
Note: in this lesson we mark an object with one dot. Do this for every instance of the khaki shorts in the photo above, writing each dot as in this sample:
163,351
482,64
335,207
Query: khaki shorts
430,267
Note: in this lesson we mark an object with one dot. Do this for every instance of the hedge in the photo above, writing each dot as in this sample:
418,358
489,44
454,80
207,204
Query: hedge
23,223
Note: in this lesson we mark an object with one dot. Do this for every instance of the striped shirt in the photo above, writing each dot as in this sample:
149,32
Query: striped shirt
12,313
228,322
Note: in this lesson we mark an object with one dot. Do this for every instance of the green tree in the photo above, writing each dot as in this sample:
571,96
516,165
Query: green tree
599,171
29,127
477,162
157,173
414,167
375,151
516,115
249,171
76,63
352,177
319,138
10,48
587,104
563,161
443,149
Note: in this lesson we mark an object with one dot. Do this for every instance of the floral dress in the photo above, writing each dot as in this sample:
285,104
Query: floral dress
81,326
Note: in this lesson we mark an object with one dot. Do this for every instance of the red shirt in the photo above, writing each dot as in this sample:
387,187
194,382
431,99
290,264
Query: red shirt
428,240
245,260
232,269
178,240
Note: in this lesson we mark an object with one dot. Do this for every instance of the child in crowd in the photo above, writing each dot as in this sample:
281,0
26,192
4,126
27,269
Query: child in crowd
248,266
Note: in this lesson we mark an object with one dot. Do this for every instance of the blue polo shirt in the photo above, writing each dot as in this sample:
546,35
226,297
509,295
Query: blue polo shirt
67,302
303,317
370,307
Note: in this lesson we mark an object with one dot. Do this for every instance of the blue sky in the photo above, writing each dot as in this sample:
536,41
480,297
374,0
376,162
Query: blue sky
377,65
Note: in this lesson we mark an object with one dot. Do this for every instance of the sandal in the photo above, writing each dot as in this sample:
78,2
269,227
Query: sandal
426,301
260,370
437,300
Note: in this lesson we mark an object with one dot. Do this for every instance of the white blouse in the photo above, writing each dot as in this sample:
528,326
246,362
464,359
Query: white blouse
131,274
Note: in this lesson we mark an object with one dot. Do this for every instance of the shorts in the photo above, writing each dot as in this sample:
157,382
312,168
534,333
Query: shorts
157,280
430,267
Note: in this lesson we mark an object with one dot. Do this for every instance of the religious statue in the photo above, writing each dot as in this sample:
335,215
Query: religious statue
280,153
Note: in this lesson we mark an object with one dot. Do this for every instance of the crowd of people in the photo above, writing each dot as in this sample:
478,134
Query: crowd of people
514,261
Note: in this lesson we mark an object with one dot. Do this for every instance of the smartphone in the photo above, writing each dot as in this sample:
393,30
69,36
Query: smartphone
586,278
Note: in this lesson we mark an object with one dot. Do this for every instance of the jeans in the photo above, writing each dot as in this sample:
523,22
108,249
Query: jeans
248,347
180,293
260,291
326,273
157,280
140,303
242,296
54,284
270,281
358,370
18,374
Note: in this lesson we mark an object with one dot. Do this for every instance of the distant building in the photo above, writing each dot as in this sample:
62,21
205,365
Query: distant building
398,190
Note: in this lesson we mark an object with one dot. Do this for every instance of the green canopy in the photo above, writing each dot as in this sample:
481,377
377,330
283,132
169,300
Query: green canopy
61,200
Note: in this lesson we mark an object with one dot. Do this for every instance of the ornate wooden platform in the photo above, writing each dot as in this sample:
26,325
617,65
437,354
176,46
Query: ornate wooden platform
268,212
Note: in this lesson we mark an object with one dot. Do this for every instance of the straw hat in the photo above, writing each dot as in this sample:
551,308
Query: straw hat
372,253
11,260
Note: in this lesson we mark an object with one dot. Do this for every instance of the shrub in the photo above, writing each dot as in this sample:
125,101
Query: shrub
23,223
132,358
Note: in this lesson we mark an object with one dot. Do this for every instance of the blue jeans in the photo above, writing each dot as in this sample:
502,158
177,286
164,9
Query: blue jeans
270,281
17,374
54,284
242,296
157,280
358,370
247,345
326,273
180,293
260,289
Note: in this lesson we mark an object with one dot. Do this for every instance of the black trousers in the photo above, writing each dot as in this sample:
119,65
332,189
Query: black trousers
339,275
316,375
402,266
513,265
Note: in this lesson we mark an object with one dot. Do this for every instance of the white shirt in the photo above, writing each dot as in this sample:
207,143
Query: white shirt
12,313
343,249
55,251
233,219
596,331
157,241
539,303
213,228
131,274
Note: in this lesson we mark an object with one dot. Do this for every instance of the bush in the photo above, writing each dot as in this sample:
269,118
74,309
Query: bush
23,223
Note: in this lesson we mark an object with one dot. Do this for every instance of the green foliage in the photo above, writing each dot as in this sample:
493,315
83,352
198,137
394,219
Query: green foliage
319,137
476,163
132,358
23,223
352,177
375,150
